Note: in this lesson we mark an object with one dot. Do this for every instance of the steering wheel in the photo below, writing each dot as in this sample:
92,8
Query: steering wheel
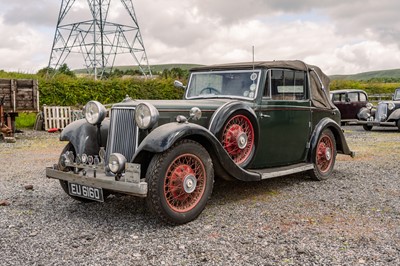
210,89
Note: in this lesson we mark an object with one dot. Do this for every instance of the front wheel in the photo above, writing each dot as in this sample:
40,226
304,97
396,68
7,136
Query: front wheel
367,127
325,156
398,125
180,182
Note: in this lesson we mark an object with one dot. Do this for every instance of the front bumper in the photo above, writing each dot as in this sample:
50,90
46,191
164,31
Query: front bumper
377,124
129,183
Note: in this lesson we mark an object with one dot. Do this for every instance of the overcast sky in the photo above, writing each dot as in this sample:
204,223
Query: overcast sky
342,37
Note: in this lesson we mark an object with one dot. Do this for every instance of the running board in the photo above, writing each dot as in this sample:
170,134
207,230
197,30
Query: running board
282,171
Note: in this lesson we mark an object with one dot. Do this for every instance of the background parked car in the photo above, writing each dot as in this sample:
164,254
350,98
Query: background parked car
349,103
387,113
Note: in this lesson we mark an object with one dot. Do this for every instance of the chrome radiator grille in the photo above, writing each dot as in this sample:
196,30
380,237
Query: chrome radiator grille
122,135
381,112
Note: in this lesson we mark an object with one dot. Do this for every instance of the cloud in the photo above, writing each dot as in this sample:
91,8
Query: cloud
339,36
30,12
21,48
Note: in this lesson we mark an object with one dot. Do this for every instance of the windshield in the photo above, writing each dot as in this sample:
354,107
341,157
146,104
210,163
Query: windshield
238,84
396,95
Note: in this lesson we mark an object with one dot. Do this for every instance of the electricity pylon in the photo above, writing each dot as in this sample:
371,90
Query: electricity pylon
98,40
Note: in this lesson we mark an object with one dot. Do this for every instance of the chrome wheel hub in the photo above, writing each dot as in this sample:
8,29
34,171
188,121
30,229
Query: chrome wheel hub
242,141
328,154
189,183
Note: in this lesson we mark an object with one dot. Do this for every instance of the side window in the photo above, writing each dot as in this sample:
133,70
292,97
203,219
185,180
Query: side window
352,97
288,85
337,97
363,97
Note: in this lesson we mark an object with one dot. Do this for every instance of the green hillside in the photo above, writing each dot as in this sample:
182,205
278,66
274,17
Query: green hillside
364,76
380,74
154,68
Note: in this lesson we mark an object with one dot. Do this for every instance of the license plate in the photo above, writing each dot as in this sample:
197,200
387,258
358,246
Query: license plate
86,192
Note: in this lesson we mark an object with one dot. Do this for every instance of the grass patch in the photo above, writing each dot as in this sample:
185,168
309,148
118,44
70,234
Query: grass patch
25,120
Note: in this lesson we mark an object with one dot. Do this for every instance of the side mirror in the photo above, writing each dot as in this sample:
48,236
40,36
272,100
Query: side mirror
179,84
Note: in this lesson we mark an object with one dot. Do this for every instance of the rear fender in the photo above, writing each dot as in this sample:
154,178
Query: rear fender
341,144
86,138
163,137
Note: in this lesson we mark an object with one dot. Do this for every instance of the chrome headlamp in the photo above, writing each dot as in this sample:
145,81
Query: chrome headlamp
116,163
369,106
146,115
94,112
391,105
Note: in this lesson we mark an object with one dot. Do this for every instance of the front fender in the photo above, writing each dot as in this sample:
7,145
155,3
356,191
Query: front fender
86,138
225,111
395,115
341,144
163,137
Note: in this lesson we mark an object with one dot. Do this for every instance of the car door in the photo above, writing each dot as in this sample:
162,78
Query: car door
339,100
284,118
351,106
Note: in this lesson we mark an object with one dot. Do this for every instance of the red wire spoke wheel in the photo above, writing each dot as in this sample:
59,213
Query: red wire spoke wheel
238,138
324,153
184,183
325,156
180,182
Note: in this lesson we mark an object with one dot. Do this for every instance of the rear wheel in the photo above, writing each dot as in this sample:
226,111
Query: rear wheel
180,182
367,127
325,156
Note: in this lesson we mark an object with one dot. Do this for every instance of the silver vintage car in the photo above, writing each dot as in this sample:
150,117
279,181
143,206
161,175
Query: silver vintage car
386,114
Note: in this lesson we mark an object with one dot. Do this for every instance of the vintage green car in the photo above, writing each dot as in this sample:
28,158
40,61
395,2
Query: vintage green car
245,121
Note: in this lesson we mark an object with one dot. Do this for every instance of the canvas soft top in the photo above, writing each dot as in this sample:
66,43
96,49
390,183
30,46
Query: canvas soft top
319,82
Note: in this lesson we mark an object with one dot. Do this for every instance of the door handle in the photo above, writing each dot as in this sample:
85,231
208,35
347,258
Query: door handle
264,116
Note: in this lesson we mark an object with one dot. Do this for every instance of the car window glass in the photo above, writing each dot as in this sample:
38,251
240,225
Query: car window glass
235,83
288,85
338,97
352,96
396,95
363,97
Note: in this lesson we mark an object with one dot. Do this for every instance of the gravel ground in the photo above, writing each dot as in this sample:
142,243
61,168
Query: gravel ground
350,219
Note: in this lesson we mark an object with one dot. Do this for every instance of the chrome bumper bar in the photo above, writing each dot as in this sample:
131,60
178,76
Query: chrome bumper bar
129,183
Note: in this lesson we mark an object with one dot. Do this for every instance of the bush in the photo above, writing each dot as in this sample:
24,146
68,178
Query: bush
371,87
67,91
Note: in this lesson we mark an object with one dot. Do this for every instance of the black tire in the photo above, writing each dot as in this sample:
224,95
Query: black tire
398,125
367,127
241,156
185,163
64,184
324,156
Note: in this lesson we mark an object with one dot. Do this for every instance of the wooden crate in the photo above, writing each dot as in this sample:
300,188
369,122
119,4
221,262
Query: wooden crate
56,117
21,95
